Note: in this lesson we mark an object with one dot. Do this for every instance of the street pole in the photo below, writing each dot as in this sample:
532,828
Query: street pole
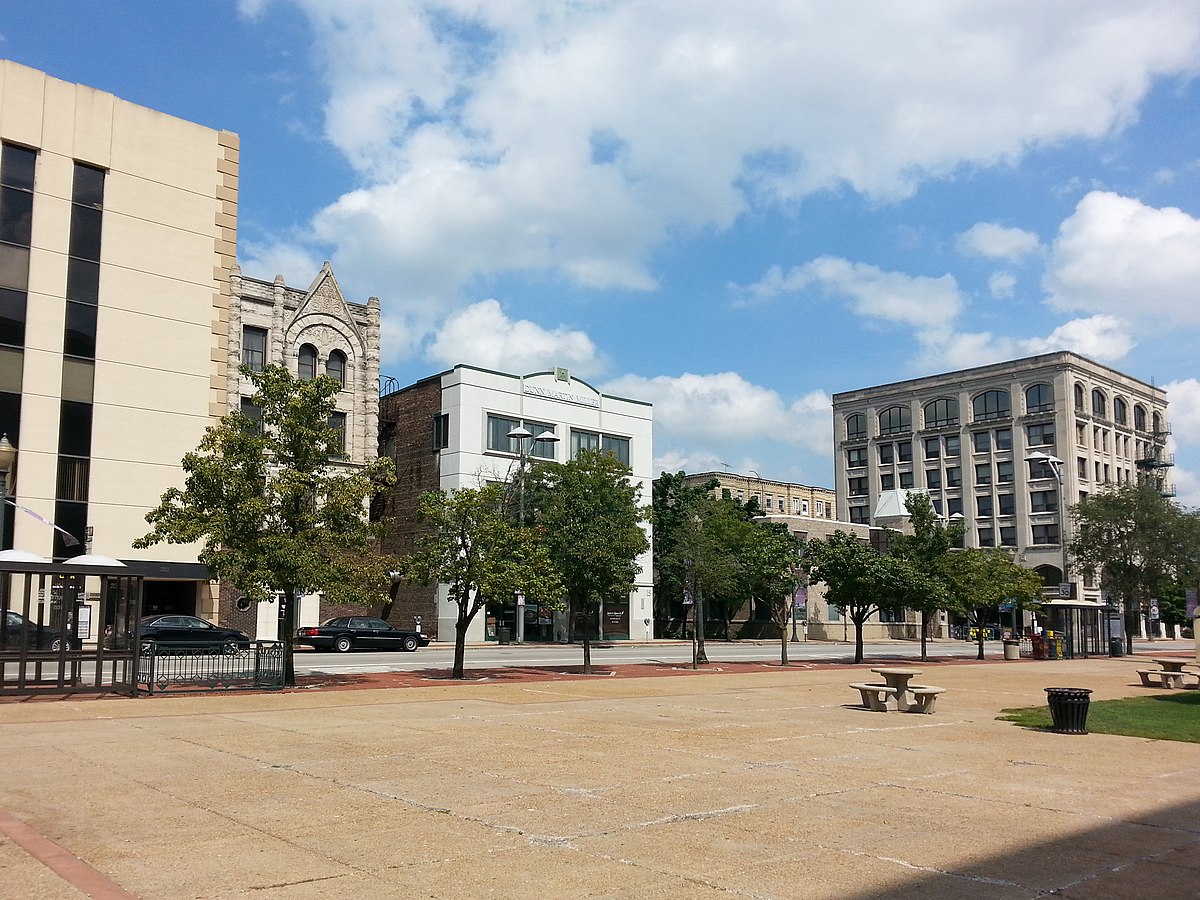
8,453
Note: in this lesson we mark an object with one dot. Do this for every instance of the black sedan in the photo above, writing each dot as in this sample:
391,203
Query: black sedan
345,633
17,631
191,631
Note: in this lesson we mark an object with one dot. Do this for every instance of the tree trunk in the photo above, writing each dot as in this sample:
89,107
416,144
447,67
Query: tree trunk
924,635
859,621
700,620
587,642
783,642
460,643
979,635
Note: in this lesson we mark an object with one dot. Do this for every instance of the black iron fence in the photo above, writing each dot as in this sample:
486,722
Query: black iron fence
183,667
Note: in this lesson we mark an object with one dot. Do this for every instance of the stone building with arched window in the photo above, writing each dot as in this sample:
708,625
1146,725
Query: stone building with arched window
313,331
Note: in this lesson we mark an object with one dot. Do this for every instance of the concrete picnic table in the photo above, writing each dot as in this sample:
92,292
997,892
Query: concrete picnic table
899,679
1172,664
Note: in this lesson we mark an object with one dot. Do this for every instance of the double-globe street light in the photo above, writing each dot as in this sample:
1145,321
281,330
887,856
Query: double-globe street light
525,440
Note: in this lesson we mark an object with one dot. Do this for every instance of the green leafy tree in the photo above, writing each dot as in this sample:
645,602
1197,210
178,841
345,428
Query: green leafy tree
271,509
859,580
769,558
1140,544
981,579
673,501
926,549
474,547
592,523
705,553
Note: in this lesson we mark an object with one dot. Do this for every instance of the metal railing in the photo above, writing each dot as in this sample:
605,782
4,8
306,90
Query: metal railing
186,667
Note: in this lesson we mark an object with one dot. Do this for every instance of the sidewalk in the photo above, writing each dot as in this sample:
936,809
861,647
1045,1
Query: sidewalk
768,783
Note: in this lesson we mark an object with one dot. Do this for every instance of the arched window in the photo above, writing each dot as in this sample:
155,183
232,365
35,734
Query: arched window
306,362
856,427
1120,411
1039,398
895,420
335,367
1139,417
1079,407
1158,424
1099,404
940,413
992,405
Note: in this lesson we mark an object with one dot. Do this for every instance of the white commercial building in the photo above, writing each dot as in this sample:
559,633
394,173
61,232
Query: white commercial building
451,431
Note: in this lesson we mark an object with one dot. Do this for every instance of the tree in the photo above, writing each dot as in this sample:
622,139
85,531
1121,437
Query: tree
769,559
588,511
926,549
704,552
1140,544
860,580
273,510
982,579
482,556
673,502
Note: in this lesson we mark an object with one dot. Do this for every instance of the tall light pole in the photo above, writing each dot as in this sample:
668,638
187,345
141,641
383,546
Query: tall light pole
8,454
1056,466
525,441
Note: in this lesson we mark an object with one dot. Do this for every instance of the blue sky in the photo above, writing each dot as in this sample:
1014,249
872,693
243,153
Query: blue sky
733,210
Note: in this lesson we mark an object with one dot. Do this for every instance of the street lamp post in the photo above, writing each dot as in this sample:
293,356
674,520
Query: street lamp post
8,454
525,440
1056,466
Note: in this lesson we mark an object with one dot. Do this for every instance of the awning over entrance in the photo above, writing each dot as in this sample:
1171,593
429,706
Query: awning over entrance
175,571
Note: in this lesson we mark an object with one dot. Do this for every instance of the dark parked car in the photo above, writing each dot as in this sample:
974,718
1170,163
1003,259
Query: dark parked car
360,633
18,630
190,630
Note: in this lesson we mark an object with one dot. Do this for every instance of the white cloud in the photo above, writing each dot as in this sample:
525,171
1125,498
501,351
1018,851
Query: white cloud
919,301
483,335
577,138
1184,397
1115,254
1001,285
997,242
1103,338
702,422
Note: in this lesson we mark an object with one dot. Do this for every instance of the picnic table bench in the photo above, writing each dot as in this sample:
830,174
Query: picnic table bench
1170,674
877,696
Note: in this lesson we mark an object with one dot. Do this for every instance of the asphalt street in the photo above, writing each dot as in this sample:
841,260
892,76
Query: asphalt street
440,656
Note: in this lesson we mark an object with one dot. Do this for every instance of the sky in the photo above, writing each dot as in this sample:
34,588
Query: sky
733,210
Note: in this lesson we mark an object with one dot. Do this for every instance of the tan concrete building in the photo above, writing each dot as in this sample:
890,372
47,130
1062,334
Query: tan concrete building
1006,447
118,227
775,498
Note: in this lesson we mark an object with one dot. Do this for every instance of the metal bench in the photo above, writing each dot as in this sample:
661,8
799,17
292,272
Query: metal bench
924,697
875,696
1160,678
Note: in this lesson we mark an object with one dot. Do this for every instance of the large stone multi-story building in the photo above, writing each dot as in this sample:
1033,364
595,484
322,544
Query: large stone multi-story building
775,498
1005,447
451,430
117,238
310,332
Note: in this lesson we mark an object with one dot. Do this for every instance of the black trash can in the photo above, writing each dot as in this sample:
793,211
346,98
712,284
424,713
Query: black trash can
502,634
1116,646
1068,709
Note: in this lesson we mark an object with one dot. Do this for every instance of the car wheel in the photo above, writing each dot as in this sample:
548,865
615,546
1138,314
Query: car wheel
149,648
342,644
56,644
409,643
230,647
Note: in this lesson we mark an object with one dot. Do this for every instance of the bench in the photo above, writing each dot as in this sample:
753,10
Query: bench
1160,678
924,697
875,696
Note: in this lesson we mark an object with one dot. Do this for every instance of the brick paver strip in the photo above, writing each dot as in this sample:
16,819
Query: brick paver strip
66,865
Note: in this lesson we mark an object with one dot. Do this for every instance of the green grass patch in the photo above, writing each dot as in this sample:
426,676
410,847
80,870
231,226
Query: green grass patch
1165,717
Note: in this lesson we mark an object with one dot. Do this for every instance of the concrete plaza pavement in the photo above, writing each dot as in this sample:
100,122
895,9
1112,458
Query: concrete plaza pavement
765,784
